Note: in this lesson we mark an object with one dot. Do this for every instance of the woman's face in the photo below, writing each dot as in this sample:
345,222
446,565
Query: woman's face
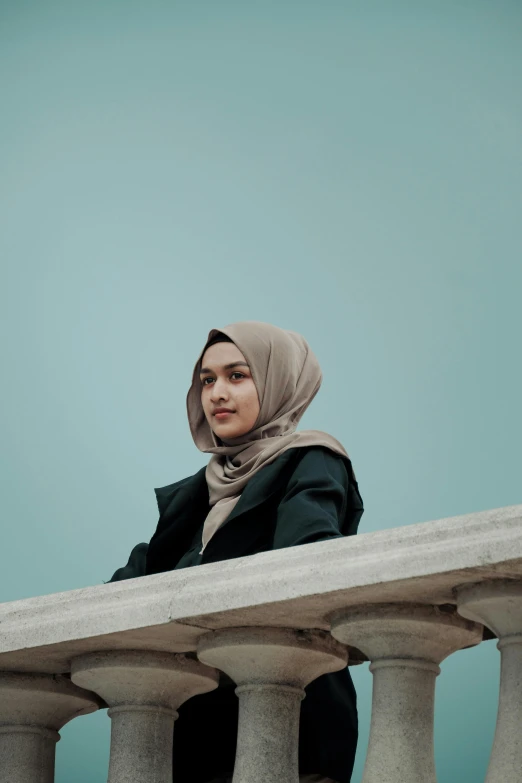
227,385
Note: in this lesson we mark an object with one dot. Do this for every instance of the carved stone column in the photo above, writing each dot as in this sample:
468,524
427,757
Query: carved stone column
144,690
405,643
271,667
33,707
498,604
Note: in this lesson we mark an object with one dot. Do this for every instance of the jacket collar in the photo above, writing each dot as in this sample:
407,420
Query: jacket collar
194,488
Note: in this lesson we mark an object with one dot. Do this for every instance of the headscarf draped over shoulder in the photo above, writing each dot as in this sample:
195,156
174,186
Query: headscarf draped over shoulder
287,377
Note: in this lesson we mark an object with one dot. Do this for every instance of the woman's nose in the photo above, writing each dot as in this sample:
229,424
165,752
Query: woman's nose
219,391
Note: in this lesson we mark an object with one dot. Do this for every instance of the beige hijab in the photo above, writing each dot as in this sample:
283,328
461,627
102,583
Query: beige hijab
287,377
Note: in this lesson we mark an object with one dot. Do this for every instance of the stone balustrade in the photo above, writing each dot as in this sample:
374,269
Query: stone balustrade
404,599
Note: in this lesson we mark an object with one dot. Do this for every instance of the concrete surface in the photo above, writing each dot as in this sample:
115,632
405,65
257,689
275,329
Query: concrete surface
271,667
296,587
498,605
144,690
405,643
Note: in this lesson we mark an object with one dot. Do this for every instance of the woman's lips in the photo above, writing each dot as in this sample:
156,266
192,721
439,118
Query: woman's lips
223,415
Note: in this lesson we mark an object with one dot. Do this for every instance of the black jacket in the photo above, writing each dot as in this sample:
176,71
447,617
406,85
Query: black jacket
305,495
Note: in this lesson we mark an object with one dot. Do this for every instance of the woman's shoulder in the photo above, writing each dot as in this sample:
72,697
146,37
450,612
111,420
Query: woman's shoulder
320,458
319,464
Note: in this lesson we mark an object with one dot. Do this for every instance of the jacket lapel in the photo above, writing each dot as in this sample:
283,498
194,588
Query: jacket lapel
193,486
183,507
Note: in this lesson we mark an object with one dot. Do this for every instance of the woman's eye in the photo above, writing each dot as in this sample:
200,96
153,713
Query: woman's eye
234,375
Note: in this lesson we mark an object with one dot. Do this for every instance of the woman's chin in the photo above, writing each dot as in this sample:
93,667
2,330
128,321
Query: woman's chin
227,432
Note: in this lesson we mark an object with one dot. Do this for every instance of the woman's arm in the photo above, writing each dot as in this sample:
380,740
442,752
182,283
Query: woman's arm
321,501
136,564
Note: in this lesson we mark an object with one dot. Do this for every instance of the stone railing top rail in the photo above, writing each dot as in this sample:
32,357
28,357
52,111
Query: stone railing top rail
296,587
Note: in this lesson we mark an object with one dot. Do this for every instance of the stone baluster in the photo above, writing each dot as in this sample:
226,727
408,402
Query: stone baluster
143,690
271,667
33,707
498,605
405,643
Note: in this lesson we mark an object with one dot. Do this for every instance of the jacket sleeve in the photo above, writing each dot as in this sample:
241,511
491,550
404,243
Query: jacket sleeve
136,564
321,501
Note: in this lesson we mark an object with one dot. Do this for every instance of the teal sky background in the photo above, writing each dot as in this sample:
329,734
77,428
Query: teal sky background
348,170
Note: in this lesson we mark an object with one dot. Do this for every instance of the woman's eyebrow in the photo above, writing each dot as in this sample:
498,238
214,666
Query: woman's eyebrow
226,367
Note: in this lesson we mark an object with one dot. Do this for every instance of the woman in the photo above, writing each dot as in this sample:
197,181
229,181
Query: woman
265,487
